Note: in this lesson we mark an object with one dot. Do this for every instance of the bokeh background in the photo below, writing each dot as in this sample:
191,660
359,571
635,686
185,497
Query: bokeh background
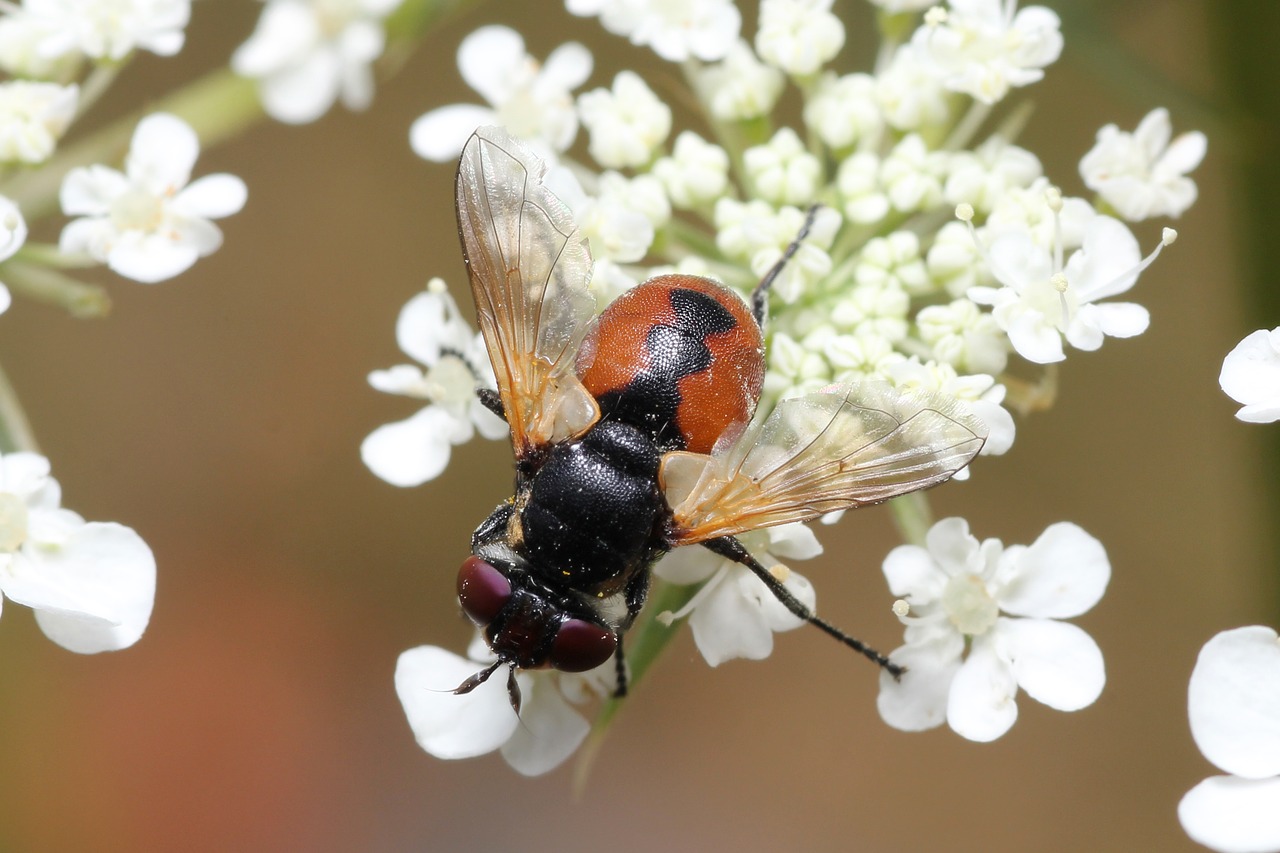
220,415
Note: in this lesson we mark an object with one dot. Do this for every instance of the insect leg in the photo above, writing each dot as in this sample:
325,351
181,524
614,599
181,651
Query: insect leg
760,296
636,592
491,401
727,546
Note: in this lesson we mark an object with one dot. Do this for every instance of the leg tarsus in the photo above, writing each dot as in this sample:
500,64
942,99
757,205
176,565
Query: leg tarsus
730,548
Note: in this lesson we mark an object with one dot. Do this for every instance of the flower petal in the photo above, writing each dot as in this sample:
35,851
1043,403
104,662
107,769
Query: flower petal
1233,702
440,134
1233,815
1055,662
911,571
489,59
549,731
212,197
93,593
1062,574
918,700
412,451
89,190
445,724
150,258
162,153
981,705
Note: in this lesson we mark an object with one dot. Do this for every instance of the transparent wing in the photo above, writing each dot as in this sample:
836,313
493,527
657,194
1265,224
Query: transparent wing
844,447
529,269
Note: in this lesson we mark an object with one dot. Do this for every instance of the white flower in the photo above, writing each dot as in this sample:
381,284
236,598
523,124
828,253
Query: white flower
91,584
1251,376
32,118
146,223
858,181
431,331
782,171
755,232
984,48
1142,174
530,99
306,54
964,336
1233,703
626,123
909,93
1041,302
103,29
956,589
855,358
955,259
675,29
13,233
844,111
794,369
547,731
912,175
798,36
892,260
982,177
734,615
696,173
741,86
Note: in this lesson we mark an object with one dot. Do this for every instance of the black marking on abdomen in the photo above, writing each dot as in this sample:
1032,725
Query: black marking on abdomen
651,399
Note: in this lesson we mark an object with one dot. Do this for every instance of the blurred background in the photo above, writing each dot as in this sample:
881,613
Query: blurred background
220,415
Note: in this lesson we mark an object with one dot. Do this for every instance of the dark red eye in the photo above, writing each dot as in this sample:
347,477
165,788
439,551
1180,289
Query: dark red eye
580,645
482,590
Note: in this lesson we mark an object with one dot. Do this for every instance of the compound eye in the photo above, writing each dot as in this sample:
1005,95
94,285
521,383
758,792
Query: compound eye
581,645
482,590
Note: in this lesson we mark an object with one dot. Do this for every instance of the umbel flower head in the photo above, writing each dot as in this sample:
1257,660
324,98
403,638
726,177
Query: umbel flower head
886,285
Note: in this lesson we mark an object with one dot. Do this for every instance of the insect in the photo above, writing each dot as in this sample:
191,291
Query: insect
633,432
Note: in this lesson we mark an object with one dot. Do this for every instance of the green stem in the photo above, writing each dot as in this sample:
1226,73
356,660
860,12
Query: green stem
912,516
646,642
54,288
98,81
15,429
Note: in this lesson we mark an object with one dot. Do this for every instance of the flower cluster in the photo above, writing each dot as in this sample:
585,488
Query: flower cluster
939,252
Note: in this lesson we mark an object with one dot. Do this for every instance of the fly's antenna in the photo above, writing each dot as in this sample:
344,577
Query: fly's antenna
760,296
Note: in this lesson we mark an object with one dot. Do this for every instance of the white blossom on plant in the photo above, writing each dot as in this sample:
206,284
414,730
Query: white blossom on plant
782,171
33,116
676,30
103,29
146,223
431,331
91,584
308,54
627,123
1144,174
696,173
954,593
984,48
1251,376
734,615
1233,702
740,87
531,99
547,731
1042,301
843,111
798,36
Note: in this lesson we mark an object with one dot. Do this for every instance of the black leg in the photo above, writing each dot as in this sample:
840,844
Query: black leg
637,592
491,401
760,296
727,546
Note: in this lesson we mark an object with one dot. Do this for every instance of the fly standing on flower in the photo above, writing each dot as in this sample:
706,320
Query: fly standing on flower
634,433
